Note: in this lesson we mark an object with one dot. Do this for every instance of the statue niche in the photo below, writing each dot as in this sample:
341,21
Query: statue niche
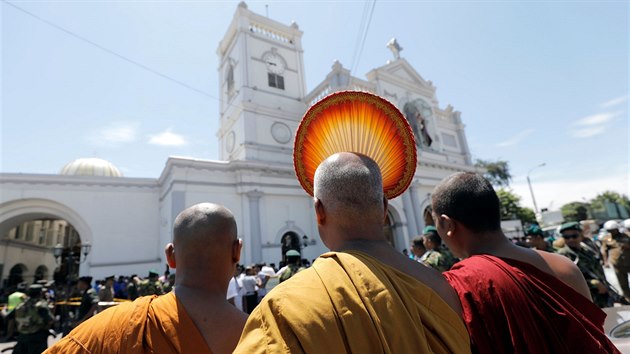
417,113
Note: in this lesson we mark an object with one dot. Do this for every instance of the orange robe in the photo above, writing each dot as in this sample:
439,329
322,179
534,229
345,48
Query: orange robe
352,303
150,324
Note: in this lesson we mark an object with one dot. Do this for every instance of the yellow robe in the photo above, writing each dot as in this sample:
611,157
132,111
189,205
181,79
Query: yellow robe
150,324
352,303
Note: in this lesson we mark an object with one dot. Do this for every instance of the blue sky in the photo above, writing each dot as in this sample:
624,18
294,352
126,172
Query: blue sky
535,81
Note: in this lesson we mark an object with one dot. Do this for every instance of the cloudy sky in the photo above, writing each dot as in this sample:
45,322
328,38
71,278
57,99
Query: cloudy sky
134,82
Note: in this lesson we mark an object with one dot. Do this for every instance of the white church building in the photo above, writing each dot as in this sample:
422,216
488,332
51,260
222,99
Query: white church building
128,221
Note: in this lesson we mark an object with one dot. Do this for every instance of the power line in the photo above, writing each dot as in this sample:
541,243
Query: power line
109,51
357,55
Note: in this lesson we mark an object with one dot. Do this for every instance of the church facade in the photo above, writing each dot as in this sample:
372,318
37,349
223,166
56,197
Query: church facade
128,221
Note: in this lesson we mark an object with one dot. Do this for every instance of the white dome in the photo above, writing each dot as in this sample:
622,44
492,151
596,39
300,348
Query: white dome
90,167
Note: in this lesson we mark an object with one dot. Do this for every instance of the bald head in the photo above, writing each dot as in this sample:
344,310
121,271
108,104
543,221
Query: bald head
203,233
350,184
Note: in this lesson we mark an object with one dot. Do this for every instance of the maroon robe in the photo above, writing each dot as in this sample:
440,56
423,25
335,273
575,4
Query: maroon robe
513,307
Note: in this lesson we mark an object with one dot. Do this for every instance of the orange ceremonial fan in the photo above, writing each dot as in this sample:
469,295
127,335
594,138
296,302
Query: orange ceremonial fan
354,121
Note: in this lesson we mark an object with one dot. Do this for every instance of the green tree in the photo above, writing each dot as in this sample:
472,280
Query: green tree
510,204
598,204
526,215
497,172
575,211
511,208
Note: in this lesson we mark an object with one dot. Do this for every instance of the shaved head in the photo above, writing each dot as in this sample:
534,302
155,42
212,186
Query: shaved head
470,199
203,234
351,185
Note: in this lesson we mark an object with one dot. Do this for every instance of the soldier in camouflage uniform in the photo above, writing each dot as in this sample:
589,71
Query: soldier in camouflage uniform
33,318
616,252
89,299
586,261
151,285
436,256
535,239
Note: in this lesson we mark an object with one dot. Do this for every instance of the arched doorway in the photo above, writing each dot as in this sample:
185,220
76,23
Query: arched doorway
16,275
41,273
290,241
428,218
28,243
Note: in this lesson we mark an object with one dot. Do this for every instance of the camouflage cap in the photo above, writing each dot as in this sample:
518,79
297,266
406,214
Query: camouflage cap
572,225
153,273
429,229
534,230
292,253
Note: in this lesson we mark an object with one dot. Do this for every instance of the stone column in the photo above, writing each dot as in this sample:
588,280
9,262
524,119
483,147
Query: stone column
255,237
409,215
415,203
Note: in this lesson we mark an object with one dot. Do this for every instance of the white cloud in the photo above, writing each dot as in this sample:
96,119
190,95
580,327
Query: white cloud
615,101
115,133
120,134
592,125
167,138
588,132
595,119
516,139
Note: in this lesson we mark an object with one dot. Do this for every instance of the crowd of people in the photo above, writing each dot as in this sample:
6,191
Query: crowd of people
474,291
33,312
591,252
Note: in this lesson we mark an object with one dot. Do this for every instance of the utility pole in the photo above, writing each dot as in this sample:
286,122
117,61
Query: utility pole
529,183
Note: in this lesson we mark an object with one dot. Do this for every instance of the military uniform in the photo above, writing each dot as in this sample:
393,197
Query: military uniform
618,249
33,318
591,269
89,298
150,287
440,260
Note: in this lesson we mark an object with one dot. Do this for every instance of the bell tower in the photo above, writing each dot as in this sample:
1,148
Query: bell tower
262,88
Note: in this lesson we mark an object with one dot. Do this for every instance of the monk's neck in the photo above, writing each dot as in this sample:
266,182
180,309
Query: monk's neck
198,292
369,246
495,244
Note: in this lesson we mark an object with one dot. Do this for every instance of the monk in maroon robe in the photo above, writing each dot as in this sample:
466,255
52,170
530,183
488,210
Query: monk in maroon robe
514,299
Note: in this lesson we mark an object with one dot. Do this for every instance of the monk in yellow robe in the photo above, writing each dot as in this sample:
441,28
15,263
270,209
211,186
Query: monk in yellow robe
364,297
195,317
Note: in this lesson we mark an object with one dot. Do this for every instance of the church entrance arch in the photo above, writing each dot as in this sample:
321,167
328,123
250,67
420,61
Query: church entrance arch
29,231
290,241
428,218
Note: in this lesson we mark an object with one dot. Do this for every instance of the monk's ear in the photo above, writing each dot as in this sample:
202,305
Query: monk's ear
448,225
169,251
320,212
237,246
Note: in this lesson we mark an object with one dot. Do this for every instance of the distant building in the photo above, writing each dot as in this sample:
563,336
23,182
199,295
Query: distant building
128,221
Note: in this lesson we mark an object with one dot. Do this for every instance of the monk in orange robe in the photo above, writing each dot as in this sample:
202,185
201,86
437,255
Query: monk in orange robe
364,297
515,300
195,317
